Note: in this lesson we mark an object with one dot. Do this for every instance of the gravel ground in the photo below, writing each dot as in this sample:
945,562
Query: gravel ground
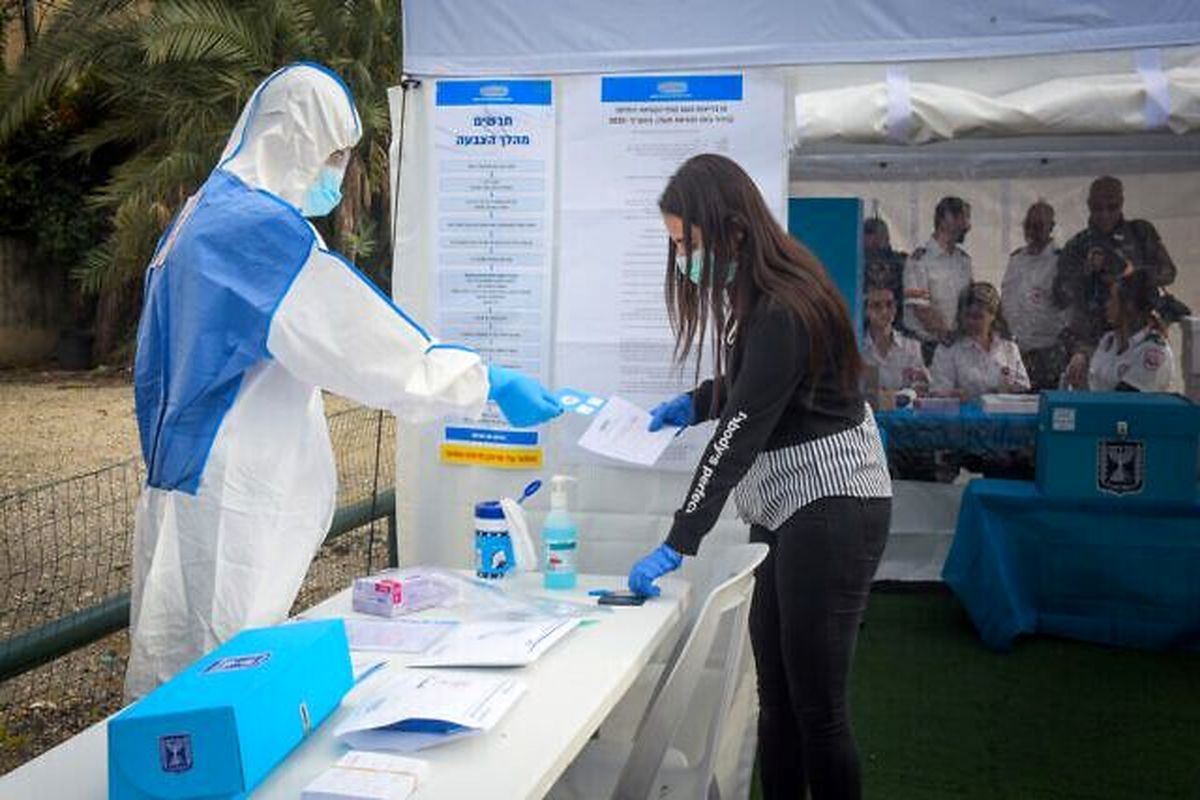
58,425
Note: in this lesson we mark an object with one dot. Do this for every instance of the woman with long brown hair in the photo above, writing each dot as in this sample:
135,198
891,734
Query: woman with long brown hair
797,447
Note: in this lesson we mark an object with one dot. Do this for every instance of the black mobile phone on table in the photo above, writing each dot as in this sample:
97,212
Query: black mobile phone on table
621,599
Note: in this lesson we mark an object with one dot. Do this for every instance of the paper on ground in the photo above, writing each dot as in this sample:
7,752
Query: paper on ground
496,643
619,431
368,776
420,709
396,635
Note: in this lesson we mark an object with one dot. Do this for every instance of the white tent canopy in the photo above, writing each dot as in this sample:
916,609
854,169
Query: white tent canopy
901,110
1002,103
554,37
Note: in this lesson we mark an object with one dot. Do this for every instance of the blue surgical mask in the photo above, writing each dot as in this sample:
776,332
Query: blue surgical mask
324,195
695,270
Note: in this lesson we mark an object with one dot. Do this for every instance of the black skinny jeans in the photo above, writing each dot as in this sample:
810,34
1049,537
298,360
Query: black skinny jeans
809,597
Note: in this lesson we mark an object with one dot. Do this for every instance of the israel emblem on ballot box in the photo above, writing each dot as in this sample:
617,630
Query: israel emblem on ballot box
236,663
1121,466
175,752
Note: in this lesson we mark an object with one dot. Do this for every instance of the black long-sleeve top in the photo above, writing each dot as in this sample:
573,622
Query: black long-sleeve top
773,400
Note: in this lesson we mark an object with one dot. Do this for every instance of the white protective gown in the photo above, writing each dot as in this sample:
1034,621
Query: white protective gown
247,317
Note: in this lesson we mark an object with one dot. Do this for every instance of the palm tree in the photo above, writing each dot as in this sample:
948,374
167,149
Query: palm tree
169,79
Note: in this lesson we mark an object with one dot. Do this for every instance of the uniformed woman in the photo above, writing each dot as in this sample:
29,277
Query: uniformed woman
1133,356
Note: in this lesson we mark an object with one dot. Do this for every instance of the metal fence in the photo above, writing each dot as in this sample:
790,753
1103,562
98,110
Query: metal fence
64,580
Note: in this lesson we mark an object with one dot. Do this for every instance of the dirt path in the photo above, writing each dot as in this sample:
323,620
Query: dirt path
58,424
55,425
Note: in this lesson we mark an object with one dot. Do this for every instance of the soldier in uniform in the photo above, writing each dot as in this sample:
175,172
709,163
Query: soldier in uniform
1096,255
885,266
936,274
1026,299
1134,355
895,357
982,358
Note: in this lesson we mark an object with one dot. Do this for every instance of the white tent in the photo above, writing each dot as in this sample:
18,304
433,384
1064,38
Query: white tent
897,103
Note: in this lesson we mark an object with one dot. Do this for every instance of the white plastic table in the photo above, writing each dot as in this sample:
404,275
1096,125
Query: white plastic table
572,688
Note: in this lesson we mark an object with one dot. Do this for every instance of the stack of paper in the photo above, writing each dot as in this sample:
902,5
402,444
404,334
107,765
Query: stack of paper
364,665
1009,403
396,635
368,776
496,644
420,709
619,431
938,405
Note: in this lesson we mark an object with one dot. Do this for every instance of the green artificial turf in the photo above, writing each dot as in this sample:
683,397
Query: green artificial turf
937,715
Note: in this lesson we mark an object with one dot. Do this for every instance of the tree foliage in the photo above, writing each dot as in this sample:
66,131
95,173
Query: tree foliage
168,80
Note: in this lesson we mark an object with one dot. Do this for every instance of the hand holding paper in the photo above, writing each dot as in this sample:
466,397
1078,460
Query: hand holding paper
621,431
677,411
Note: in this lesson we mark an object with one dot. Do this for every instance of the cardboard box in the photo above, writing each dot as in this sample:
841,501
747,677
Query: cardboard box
218,728
1130,445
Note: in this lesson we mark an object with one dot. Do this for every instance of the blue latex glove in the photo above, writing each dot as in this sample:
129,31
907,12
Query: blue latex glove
676,411
522,400
644,573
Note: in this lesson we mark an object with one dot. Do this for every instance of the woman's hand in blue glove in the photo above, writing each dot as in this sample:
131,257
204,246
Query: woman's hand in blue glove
644,573
676,411
522,400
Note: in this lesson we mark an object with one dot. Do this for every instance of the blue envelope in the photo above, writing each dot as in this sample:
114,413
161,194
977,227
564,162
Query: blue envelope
218,728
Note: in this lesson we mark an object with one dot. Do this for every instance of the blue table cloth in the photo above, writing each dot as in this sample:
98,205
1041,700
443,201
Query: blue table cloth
970,430
1101,571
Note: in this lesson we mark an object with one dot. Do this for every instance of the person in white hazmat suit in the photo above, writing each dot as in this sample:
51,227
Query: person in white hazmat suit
247,316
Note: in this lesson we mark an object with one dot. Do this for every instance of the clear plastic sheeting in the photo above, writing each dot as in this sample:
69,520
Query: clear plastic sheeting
904,196
900,109
481,599
935,445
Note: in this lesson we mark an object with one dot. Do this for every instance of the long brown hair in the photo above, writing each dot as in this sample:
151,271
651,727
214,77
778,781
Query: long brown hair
712,193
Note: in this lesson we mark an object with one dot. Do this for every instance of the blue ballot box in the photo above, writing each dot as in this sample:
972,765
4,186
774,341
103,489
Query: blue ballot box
1118,444
218,728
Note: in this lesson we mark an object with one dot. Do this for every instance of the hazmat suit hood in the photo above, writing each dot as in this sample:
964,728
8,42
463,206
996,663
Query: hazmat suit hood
295,120
246,316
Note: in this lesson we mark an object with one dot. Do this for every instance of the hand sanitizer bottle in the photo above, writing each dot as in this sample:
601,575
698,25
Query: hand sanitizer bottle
558,539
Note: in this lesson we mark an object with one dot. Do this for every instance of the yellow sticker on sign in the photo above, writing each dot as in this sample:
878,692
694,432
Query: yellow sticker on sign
496,457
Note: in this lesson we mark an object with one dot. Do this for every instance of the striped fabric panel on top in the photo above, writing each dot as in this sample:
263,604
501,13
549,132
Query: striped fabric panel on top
850,463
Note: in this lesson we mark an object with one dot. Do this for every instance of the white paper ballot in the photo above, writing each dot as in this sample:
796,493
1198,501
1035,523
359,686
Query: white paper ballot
496,644
1009,403
396,635
420,709
363,665
368,776
619,431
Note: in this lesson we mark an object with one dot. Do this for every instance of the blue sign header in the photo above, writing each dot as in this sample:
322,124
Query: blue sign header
480,93
491,436
670,88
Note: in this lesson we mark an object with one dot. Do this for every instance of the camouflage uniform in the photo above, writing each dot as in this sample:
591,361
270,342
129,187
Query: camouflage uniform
1083,290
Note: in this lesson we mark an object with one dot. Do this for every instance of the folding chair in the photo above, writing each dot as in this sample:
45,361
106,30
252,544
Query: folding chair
649,767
